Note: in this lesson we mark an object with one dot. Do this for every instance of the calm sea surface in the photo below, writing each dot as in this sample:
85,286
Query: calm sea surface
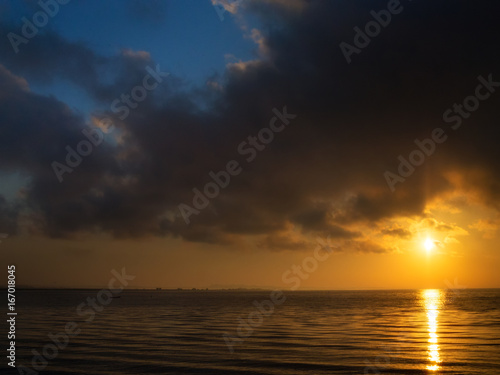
193,332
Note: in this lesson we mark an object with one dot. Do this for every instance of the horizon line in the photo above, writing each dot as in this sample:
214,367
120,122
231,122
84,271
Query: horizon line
241,289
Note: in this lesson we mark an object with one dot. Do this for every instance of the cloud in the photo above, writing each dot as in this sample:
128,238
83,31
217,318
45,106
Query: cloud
367,247
487,227
230,6
283,241
322,175
53,58
9,214
397,232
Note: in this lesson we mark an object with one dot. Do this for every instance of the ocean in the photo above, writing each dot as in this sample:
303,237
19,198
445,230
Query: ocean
254,332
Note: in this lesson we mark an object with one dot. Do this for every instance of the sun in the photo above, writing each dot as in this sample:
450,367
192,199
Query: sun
429,244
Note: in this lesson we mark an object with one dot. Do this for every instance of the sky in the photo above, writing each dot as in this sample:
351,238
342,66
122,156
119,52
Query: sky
299,144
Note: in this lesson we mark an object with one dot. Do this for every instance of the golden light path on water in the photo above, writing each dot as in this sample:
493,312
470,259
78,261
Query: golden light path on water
433,300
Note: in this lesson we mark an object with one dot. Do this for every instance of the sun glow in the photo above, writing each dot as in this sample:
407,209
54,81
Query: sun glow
429,244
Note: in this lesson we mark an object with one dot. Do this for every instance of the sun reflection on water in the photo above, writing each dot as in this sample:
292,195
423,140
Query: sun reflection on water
433,300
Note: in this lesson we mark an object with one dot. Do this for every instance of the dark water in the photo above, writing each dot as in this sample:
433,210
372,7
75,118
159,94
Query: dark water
181,332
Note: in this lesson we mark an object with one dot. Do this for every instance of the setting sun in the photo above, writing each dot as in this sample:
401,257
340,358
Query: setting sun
429,244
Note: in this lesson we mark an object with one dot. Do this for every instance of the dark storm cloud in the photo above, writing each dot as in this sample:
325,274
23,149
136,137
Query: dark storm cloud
323,174
397,232
9,214
49,57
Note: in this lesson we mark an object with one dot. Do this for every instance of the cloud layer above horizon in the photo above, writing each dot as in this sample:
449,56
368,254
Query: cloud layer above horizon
321,176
